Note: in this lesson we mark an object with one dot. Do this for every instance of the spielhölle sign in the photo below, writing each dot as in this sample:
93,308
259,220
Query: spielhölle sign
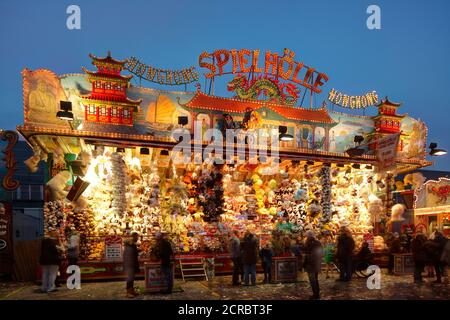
234,61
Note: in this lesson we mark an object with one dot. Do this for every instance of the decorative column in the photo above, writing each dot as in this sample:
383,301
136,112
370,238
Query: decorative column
313,137
325,200
119,200
326,145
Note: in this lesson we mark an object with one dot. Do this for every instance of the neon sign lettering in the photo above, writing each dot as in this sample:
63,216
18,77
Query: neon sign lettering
234,61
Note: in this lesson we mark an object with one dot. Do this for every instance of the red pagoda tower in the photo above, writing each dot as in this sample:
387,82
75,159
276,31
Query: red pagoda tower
386,122
108,102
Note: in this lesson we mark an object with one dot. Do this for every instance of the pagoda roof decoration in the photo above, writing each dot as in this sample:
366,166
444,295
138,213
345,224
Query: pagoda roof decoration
107,76
235,105
386,101
107,59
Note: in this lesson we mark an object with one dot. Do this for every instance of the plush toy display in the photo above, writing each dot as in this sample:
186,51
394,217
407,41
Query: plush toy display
199,205
375,208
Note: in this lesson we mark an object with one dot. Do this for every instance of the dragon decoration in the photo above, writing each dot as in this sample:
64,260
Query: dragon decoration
271,88
441,192
9,183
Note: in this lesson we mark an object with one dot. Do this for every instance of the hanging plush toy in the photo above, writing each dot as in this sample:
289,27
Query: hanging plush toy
57,185
375,208
314,209
414,179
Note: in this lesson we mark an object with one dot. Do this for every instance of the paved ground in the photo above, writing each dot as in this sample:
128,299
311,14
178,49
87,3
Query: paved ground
392,287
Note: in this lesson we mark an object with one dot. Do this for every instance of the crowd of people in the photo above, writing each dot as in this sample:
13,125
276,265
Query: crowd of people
313,254
327,253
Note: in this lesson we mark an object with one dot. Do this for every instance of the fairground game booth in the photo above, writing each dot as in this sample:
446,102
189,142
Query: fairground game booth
124,157
432,207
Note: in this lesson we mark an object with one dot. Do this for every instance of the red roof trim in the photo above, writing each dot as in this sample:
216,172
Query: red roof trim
386,101
213,103
102,98
107,75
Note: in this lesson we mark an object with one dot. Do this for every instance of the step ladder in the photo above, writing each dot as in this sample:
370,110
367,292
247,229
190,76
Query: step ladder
192,267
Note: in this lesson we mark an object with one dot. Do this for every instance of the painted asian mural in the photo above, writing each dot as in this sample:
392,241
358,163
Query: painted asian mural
158,113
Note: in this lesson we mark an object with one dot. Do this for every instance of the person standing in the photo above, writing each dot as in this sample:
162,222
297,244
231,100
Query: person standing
344,252
419,256
234,249
250,257
73,246
394,246
445,257
166,255
313,262
328,258
266,255
434,249
49,261
131,262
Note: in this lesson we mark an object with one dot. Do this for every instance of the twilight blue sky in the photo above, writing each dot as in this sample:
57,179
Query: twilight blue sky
407,59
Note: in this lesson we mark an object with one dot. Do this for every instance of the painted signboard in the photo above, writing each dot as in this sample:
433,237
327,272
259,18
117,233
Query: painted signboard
6,245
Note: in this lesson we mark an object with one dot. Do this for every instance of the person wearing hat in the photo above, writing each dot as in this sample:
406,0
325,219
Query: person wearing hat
131,262
313,262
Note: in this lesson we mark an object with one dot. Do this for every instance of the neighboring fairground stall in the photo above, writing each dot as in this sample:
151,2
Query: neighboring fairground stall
432,207
112,168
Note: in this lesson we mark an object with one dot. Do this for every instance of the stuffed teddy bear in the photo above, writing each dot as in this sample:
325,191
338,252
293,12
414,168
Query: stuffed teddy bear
57,184
375,208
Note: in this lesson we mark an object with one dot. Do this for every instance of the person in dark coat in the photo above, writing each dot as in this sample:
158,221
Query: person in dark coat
395,246
234,248
250,257
166,256
364,254
419,256
313,262
49,261
266,255
434,249
344,252
131,262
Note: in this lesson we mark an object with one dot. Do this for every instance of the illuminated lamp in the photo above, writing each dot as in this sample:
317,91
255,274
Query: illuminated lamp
145,151
436,152
120,150
183,120
284,136
65,112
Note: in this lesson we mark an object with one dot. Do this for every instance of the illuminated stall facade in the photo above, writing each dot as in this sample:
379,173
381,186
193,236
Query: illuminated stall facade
111,168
